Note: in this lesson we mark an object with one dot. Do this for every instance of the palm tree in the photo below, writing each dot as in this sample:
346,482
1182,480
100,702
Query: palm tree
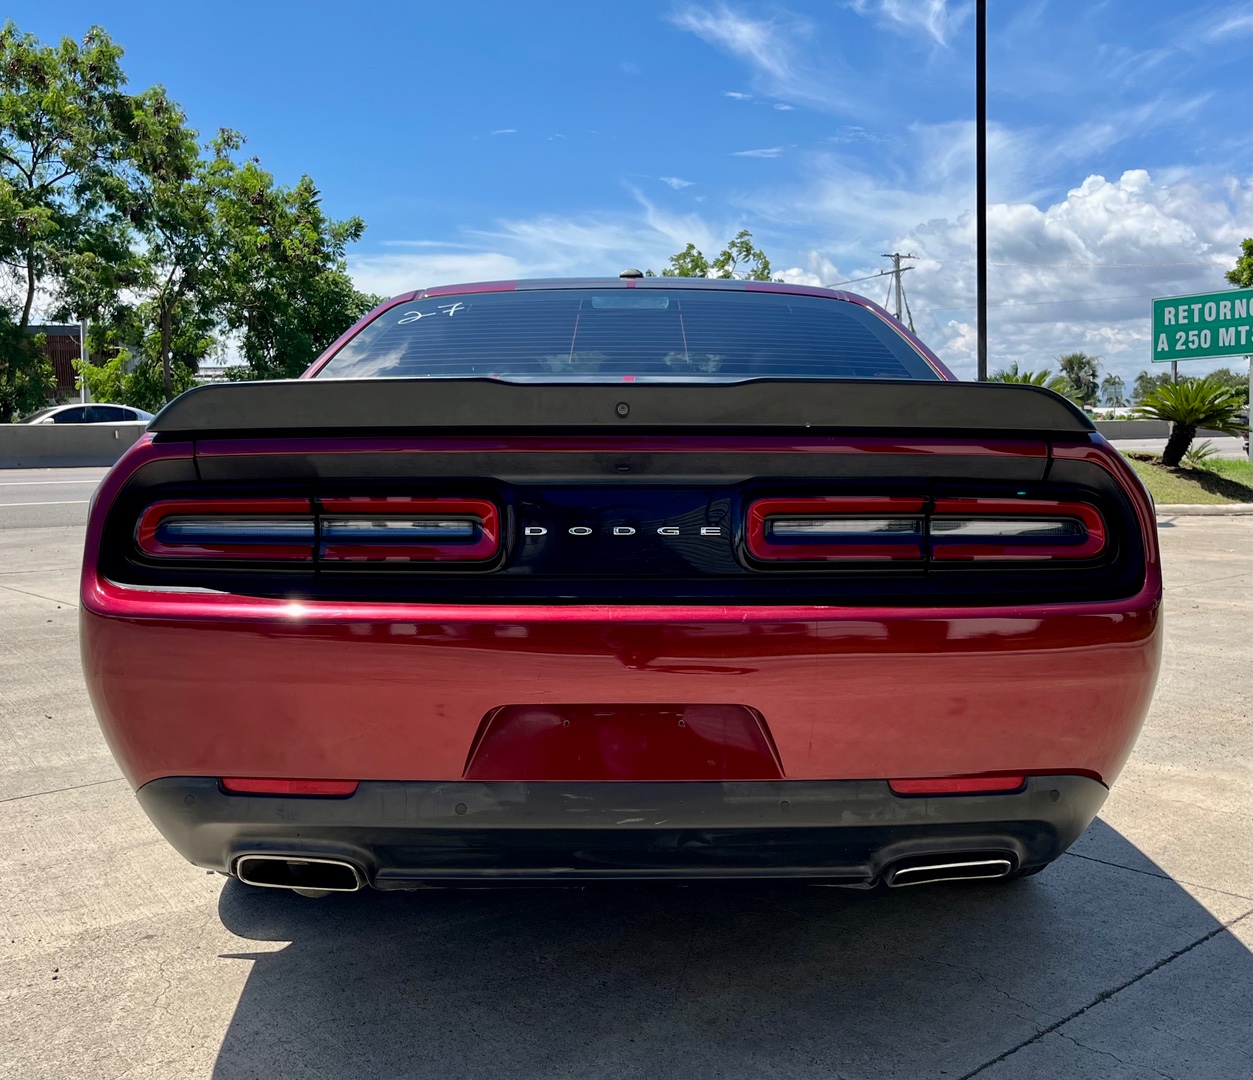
1112,388
1190,405
1080,371
1045,378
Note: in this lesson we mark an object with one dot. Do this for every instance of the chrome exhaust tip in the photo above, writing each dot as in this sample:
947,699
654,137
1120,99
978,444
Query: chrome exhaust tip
303,874
952,869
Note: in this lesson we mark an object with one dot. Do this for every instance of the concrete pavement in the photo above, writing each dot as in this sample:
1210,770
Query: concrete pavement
1130,957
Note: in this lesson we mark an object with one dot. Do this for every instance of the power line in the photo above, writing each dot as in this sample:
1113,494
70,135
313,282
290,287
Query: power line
868,277
1041,303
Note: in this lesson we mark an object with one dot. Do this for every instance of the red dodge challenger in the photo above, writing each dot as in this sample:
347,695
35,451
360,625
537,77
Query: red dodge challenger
637,578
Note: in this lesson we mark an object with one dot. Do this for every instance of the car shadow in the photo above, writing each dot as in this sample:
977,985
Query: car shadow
710,980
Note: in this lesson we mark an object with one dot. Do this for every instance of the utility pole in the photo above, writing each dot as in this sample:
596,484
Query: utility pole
981,169
896,272
85,394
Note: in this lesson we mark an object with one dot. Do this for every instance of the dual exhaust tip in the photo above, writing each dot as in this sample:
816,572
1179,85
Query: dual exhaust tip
312,876
303,874
951,868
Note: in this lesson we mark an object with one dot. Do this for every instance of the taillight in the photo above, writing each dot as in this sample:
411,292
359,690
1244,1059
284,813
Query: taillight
959,785
1015,529
249,785
348,530
408,530
903,530
253,529
835,528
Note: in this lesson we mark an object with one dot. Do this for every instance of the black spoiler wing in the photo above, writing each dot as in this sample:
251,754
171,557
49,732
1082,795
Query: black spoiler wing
464,406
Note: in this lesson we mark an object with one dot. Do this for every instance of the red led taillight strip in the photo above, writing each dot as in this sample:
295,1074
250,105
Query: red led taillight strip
836,528
889,528
1015,529
253,529
408,530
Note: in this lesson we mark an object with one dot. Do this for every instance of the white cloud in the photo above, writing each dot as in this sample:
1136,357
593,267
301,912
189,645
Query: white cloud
1234,22
1077,274
782,107
545,246
737,96
766,152
505,131
774,51
763,43
932,17
676,182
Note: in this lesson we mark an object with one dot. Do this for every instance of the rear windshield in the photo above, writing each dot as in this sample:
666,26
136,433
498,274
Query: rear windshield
589,335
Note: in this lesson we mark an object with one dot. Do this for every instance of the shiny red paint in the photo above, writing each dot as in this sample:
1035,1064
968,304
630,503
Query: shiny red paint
622,742
760,513
150,522
486,546
972,509
210,684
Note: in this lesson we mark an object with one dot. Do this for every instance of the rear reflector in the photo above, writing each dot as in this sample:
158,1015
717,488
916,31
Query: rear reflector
253,529
253,786
409,530
1015,529
958,785
836,528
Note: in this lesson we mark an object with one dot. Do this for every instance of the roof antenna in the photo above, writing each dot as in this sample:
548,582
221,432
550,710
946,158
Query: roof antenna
631,273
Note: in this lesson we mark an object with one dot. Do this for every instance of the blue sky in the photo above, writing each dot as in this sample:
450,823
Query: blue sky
502,139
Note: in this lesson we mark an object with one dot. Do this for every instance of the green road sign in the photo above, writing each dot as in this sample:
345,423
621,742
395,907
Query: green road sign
1203,326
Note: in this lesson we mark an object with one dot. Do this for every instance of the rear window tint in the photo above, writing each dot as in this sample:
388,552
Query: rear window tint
645,333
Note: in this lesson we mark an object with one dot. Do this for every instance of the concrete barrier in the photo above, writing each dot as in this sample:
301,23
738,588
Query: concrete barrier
1145,429
44,446
1133,429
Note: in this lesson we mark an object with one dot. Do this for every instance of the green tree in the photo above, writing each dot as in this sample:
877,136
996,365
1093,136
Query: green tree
739,259
687,263
163,301
59,112
1146,382
1113,391
1190,405
1081,373
286,282
1241,275
1048,379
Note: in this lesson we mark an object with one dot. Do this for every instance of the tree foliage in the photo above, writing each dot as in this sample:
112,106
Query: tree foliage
1046,378
1192,404
1113,391
59,107
1081,373
1241,275
288,290
739,259
113,209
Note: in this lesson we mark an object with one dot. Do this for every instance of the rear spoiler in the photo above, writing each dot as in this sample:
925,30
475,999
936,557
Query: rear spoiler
464,406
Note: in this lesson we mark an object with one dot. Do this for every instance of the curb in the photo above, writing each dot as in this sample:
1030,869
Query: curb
1204,509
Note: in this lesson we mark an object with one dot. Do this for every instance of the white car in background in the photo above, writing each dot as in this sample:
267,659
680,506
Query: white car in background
88,414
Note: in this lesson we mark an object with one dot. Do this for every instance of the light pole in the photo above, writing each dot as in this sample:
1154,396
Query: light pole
981,171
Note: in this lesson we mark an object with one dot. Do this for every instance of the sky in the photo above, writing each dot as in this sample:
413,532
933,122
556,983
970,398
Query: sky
487,140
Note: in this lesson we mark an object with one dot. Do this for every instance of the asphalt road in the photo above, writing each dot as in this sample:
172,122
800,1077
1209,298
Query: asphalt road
1129,957
42,497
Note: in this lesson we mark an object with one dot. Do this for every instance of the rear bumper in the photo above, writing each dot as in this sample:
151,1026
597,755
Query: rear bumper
404,835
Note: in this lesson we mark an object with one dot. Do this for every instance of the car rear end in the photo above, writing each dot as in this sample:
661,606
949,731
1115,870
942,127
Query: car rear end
611,623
